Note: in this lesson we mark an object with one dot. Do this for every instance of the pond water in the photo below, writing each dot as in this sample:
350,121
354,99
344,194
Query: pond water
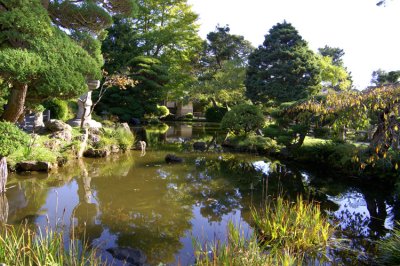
137,200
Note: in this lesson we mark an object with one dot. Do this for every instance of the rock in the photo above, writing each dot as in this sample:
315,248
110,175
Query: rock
65,135
126,127
171,158
96,153
133,256
55,125
114,148
199,146
34,166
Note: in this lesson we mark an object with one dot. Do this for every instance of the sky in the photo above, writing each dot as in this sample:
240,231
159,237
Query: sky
368,34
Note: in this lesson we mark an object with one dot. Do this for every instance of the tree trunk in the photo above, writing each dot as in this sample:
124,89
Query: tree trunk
215,105
15,104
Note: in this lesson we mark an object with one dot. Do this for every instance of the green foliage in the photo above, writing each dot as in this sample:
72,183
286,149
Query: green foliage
283,68
389,249
143,98
11,138
381,77
296,226
237,250
30,153
38,55
120,136
189,116
243,118
256,143
162,111
58,108
21,245
289,233
215,114
162,29
222,67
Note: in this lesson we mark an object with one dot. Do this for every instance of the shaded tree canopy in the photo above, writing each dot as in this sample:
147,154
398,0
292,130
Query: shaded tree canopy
283,68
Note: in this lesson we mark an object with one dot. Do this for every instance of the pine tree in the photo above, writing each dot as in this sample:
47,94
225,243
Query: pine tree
283,69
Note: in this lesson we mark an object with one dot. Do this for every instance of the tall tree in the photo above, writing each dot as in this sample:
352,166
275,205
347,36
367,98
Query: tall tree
164,30
35,54
222,67
283,68
381,77
334,74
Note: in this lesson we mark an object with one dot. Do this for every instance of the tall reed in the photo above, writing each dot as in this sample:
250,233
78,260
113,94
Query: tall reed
296,226
22,245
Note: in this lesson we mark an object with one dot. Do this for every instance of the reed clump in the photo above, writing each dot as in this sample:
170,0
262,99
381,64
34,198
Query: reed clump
22,245
298,227
286,233
389,248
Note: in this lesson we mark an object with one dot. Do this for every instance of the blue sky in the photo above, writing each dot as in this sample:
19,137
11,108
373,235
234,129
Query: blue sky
369,35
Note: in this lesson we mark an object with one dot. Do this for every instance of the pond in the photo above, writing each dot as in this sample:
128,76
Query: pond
137,200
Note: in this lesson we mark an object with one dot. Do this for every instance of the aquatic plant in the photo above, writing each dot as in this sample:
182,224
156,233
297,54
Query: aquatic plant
389,249
298,227
21,245
240,250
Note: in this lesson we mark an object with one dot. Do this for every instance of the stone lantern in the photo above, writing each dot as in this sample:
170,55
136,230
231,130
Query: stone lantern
84,105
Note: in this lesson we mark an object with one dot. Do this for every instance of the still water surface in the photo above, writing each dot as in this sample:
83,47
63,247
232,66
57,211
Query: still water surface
139,201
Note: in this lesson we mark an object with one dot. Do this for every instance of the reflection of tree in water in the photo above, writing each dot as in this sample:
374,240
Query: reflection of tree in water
85,212
3,208
147,209
26,198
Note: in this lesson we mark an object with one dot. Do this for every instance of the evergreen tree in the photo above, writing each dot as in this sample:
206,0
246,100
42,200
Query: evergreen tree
283,68
36,54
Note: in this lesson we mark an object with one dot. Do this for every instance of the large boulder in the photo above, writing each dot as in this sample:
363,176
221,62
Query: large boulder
34,166
96,153
55,125
199,146
59,129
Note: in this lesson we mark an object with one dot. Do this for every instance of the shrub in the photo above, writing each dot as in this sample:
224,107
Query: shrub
162,111
124,138
11,138
58,108
189,116
215,114
243,118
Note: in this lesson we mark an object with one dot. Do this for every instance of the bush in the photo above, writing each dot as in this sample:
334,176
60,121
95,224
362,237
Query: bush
215,114
124,138
243,118
11,138
189,116
162,111
58,108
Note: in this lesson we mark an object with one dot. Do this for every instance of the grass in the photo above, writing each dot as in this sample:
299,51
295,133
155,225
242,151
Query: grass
389,249
296,226
286,233
21,245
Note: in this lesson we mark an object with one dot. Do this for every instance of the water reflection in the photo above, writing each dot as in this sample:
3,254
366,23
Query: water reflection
141,202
